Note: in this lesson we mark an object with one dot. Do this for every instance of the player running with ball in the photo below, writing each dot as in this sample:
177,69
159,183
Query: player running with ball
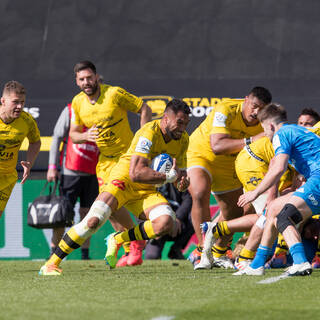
132,183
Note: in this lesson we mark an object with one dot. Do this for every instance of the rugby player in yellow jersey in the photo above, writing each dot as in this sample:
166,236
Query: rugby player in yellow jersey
251,165
132,183
104,110
213,148
15,126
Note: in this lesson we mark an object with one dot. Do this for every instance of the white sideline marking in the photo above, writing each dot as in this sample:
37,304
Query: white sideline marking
164,318
274,279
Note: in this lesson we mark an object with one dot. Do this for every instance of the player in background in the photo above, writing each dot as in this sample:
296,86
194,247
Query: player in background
103,109
213,148
77,174
308,117
132,183
15,126
301,148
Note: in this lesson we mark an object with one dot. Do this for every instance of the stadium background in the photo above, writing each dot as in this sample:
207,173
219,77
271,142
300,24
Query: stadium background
199,51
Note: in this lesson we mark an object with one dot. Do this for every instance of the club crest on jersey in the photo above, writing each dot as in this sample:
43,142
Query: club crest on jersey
254,180
143,145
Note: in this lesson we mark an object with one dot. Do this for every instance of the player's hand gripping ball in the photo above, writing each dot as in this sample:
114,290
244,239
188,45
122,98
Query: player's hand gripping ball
162,163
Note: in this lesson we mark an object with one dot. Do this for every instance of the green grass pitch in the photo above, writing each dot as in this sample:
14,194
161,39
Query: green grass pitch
156,290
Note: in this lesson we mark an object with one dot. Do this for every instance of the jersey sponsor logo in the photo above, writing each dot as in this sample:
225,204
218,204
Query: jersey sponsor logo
219,119
119,184
6,155
254,181
276,142
143,145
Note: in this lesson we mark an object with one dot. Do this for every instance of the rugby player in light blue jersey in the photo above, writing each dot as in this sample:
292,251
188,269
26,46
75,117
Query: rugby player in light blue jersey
301,148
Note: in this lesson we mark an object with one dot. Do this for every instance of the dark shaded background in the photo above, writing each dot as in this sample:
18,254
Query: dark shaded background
187,48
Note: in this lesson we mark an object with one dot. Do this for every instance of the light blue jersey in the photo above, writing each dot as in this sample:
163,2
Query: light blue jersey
303,148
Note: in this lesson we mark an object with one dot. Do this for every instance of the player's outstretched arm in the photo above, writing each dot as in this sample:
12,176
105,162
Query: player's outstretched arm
32,153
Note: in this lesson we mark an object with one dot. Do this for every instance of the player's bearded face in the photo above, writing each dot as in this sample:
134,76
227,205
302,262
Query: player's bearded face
176,124
87,81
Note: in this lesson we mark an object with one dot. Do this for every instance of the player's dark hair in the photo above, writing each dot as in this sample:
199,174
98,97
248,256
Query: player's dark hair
82,65
177,105
310,112
273,111
262,94
14,86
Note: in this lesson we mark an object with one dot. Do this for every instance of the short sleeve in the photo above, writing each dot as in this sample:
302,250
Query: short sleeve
75,116
220,122
280,144
126,100
34,133
142,143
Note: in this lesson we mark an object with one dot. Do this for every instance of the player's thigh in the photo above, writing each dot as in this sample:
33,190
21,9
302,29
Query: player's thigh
307,197
200,184
103,169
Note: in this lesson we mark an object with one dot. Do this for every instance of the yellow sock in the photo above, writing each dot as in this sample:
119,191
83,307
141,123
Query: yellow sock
221,229
68,243
246,254
281,245
218,252
126,247
142,231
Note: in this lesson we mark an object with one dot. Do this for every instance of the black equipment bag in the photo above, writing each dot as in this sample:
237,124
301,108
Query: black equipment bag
50,211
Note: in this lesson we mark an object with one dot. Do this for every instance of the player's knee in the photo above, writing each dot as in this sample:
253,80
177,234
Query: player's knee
163,218
98,214
93,222
164,225
288,216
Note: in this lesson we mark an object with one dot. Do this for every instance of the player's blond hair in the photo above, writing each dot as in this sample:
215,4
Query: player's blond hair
13,86
275,112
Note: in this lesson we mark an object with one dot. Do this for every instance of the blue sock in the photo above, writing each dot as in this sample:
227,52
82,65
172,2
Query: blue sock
261,257
297,253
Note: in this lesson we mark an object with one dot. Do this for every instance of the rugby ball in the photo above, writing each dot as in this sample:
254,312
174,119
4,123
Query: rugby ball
162,163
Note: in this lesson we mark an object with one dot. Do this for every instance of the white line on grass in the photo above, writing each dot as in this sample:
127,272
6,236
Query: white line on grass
164,318
274,279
